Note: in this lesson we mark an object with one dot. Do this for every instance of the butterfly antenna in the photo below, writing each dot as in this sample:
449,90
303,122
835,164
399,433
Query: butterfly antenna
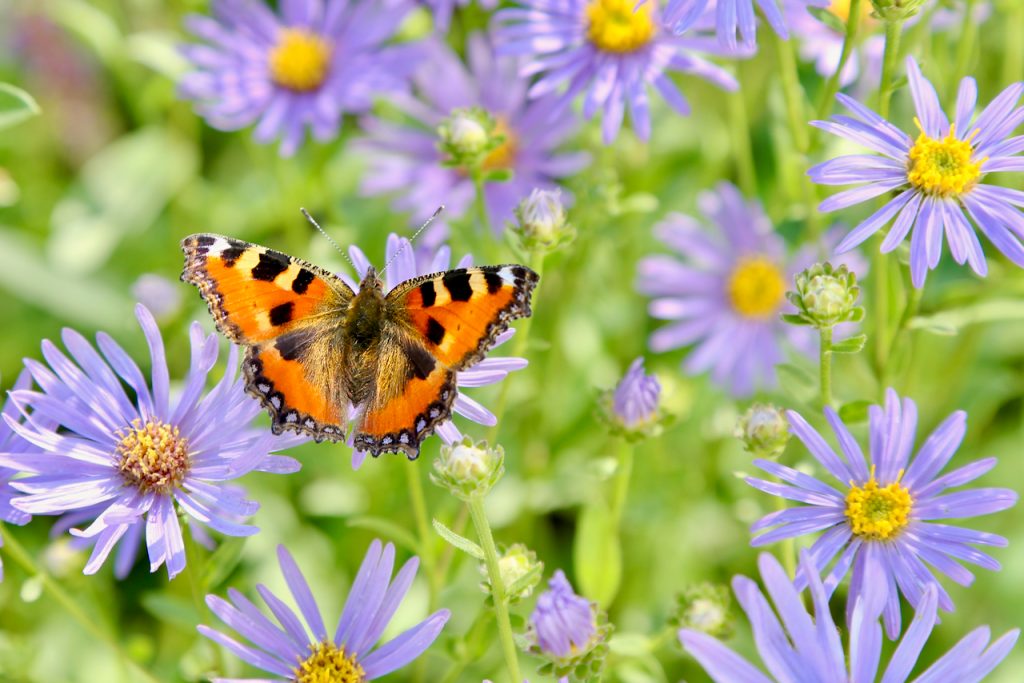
414,236
329,239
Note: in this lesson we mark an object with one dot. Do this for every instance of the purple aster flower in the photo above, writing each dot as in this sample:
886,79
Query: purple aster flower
936,179
305,68
805,648
883,512
293,652
564,623
134,464
405,263
406,159
636,397
10,442
728,292
731,17
610,49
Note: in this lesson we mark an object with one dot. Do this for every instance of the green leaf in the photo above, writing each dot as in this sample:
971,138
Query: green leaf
854,411
794,319
16,106
461,542
794,374
597,553
222,562
951,321
525,580
387,528
829,19
171,609
850,345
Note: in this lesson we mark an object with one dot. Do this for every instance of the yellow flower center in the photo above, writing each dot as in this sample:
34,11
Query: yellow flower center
841,8
504,155
878,512
300,60
756,287
945,167
329,664
614,26
154,456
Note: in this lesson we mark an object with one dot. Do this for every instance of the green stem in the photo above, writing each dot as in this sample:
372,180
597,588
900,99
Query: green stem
913,302
622,476
832,85
483,532
965,47
825,366
480,200
1013,49
893,29
90,624
518,351
793,94
880,307
788,544
424,529
194,571
745,167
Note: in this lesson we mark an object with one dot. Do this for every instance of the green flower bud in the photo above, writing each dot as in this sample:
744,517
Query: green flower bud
705,608
825,296
468,469
896,10
764,430
467,136
541,223
520,572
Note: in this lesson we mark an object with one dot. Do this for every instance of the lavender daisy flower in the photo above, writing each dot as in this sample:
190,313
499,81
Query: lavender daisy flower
293,652
10,442
405,264
635,400
728,292
610,49
936,179
805,648
302,69
883,512
731,17
135,464
408,161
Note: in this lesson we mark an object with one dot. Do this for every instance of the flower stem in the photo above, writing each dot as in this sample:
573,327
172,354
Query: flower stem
788,544
483,532
1013,55
825,366
880,307
17,552
194,570
893,29
832,85
745,167
622,477
913,295
965,47
423,528
793,94
480,201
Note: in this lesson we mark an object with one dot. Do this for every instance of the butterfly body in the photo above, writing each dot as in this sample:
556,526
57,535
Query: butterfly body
316,349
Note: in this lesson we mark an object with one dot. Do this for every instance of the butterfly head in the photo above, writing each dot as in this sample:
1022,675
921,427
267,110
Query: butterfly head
371,281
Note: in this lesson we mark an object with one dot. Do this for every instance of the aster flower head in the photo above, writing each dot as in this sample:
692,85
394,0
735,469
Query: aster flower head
10,442
937,179
132,465
408,159
883,511
406,263
541,223
825,297
735,21
796,646
305,653
727,292
612,51
633,408
303,69
568,631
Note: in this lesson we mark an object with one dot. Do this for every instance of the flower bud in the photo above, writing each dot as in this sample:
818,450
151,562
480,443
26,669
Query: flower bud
825,296
704,608
764,430
520,572
633,408
467,136
896,10
541,221
468,469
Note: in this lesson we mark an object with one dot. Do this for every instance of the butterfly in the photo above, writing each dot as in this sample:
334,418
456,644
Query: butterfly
315,348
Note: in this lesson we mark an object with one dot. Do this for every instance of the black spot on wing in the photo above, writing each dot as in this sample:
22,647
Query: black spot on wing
281,314
519,272
435,331
421,361
301,282
205,240
493,280
270,266
428,293
292,345
457,283
232,254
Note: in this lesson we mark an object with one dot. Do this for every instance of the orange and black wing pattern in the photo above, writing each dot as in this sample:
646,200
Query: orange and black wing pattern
288,312
437,325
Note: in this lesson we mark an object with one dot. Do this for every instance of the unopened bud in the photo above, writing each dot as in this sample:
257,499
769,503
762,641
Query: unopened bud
541,221
825,296
764,430
468,469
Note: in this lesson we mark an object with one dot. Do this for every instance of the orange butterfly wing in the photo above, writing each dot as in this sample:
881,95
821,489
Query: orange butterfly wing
288,312
442,323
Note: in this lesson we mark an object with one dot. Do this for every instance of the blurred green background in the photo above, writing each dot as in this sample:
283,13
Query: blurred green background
99,188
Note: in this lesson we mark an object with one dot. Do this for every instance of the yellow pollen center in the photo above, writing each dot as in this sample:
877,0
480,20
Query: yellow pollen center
841,8
614,26
756,287
878,512
504,155
945,167
154,456
300,60
329,664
